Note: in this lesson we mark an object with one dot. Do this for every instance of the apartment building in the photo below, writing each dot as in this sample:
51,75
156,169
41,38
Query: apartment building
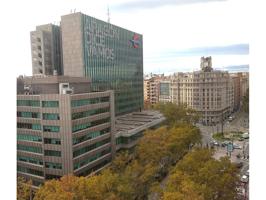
208,91
152,88
241,85
62,127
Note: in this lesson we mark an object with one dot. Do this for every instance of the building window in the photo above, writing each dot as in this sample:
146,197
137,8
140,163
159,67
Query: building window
29,126
28,114
51,129
51,165
29,171
52,141
90,136
90,147
51,176
89,113
50,104
91,159
50,116
80,127
31,103
100,165
83,102
29,148
30,160
33,138
52,153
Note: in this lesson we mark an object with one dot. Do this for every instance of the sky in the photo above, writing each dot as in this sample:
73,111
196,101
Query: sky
176,33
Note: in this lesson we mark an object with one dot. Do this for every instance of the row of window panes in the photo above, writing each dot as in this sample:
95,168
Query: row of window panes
51,129
50,104
91,159
30,171
52,141
28,114
38,127
52,153
96,167
90,147
29,148
90,135
89,113
50,116
30,160
80,127
33,138
51,165
51,176
83,102
29,126
32,103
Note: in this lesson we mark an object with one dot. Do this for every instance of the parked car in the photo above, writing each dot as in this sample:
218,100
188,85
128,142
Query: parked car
244,179
247,173
214,143
245,135
231,118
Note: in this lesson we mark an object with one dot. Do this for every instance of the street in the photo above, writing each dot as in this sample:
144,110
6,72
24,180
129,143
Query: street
239,124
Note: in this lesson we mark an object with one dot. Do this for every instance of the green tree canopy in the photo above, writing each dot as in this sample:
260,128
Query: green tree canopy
177,114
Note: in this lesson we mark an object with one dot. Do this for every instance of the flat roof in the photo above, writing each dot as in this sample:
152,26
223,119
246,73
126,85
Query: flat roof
42,79
138,121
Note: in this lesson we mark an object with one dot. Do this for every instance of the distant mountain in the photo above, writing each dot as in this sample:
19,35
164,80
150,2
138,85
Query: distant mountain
230,68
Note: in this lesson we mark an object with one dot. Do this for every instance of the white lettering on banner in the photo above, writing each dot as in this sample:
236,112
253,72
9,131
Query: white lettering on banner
96,35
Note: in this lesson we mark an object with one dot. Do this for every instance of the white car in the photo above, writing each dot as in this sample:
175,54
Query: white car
237,146
244,179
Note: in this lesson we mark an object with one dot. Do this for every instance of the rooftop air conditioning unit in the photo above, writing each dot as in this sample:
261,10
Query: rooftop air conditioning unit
65,89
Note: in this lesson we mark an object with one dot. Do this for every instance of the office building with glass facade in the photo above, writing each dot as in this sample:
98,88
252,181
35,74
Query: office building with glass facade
111,56
62,128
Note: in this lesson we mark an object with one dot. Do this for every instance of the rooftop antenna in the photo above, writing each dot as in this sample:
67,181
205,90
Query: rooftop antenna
108,15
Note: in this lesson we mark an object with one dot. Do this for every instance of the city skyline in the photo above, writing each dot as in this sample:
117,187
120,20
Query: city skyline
175,33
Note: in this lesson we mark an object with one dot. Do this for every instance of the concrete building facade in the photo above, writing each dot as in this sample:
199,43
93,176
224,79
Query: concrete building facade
208,91
62,128
46,50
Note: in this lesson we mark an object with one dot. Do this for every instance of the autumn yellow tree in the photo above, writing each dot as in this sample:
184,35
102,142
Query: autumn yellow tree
24,190
131,176
198,173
